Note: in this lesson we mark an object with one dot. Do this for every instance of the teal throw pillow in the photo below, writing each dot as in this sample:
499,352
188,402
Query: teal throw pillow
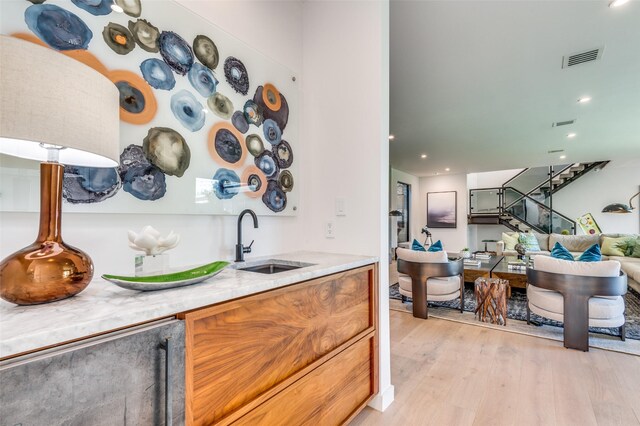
592,254
417,246
529,241
437,246
560,252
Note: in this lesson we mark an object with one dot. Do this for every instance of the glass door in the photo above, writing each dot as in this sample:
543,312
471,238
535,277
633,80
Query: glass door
403,196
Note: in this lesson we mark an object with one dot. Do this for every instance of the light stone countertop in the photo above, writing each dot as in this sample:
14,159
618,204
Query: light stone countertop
103,306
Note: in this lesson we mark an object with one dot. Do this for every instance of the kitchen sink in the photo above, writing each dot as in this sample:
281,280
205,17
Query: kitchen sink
272,266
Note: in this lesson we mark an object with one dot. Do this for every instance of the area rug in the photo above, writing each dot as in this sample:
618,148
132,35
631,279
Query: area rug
517,310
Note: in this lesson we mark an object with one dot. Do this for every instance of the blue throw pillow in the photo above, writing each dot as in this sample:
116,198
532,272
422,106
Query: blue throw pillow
417,246
437,246
592,254
560,252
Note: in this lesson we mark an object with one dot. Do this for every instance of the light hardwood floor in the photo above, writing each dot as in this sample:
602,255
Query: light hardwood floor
448,373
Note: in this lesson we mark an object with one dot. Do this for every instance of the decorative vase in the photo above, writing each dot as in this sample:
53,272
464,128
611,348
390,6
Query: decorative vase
47,270
151,264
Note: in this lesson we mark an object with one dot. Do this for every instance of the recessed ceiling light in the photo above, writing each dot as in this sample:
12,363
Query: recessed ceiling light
572,135
562,157
447,169
391,137
117,8
616,3
423,156
584,99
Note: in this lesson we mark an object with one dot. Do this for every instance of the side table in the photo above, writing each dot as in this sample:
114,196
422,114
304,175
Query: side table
491,300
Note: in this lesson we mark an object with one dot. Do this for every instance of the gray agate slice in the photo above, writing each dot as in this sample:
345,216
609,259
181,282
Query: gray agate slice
130,7
285,180
118,38
220,105
255,146
206,51
166,149
145,34
283,154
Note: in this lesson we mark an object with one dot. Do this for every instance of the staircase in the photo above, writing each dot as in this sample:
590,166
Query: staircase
525,202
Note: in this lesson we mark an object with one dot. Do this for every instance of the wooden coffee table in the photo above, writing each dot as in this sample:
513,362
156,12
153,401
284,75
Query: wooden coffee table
517,277
472,273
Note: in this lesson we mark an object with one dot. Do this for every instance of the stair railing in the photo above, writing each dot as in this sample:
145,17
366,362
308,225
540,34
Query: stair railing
544,207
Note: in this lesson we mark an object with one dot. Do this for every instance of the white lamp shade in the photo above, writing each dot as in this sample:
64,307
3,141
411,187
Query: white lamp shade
49,98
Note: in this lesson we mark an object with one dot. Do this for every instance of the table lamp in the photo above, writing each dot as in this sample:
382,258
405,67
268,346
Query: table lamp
56,110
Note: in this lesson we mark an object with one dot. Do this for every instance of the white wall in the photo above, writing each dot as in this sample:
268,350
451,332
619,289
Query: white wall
453,240
415,219
618,181
345,127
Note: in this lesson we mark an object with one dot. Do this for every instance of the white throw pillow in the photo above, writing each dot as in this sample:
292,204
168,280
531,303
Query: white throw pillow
422,256
605,268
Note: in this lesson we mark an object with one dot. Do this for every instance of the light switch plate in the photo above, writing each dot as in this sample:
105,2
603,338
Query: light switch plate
341,206
330,229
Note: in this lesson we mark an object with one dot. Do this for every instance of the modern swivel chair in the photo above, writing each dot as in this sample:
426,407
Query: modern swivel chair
578,294
429,276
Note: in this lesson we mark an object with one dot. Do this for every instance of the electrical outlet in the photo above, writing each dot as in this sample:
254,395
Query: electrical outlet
330,229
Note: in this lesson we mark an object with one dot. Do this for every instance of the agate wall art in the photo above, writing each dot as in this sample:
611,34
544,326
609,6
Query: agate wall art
208,125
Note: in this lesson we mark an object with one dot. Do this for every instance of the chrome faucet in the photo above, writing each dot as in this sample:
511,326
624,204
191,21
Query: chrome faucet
240,249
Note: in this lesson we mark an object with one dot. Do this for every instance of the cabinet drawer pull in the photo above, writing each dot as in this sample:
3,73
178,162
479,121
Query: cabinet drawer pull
168,382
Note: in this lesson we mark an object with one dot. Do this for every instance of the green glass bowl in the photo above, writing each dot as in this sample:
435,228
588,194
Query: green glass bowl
165,281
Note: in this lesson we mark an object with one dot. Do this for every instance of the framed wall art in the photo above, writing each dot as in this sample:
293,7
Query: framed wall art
207,124
442,209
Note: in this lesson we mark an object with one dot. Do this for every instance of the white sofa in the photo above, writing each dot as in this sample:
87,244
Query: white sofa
577,244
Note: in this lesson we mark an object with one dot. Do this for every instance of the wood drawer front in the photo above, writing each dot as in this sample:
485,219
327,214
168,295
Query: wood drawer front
329,395
238,350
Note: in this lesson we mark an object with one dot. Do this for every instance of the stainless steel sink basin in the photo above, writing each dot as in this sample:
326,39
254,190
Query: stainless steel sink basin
272,266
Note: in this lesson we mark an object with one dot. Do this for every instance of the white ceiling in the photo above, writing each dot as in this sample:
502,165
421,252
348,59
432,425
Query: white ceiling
476,85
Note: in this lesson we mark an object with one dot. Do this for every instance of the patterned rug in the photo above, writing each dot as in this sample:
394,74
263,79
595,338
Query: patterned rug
517,310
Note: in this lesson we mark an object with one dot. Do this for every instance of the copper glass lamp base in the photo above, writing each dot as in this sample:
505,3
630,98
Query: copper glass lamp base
47,270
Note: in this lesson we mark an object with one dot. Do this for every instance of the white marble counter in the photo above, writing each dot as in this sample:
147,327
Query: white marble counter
103,306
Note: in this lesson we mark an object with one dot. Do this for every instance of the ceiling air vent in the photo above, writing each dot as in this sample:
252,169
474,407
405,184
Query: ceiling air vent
555,151
563,123
582,57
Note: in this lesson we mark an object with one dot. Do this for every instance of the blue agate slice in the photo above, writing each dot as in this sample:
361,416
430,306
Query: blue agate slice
274,197
158,74
87,185
189,112
203,80
145,182
239,122
268,164
59,28
94,7
226,184
175,51
272,132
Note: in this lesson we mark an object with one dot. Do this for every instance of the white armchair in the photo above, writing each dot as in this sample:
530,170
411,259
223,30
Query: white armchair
429,276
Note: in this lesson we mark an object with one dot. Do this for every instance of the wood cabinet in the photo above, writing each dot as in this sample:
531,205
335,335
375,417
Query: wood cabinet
306,353
116,378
